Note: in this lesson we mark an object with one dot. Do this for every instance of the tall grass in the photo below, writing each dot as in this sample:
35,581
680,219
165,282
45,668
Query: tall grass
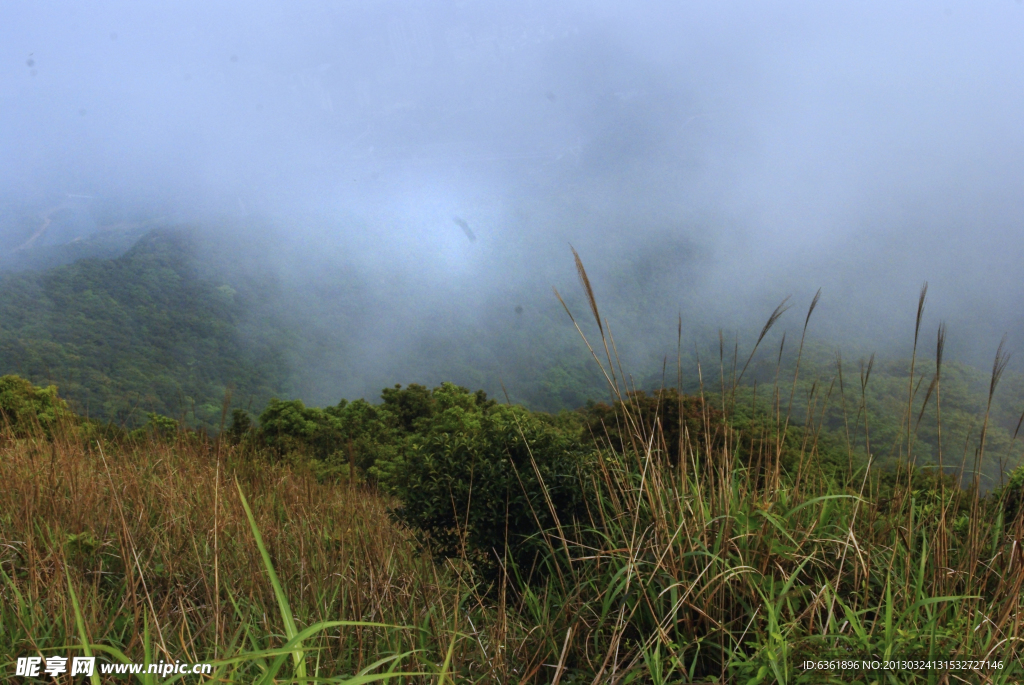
724,566
117,551
734,562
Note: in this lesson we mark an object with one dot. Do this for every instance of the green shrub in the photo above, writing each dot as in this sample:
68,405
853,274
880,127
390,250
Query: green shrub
1012,495
158,427
468,480
409,407
29,410
290,426
241,426
368,435
349,433
106,434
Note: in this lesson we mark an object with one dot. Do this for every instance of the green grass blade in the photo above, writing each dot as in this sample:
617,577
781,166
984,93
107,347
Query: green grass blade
298,656
80,624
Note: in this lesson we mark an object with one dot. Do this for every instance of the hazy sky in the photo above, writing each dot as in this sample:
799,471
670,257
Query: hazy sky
863,147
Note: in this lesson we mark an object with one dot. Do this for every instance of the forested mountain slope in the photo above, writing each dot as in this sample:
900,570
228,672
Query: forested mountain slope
187,313
143,332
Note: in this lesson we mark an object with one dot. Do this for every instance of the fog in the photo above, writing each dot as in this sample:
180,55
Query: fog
444,155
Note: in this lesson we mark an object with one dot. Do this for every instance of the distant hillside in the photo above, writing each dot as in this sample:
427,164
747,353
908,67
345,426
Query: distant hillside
147,331
66,229
184,314
106,244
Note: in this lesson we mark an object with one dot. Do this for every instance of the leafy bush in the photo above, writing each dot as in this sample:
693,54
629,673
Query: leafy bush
458,462
28,410
241,426
158,428
1012,495
348,434
331,435
368,433
289,426
481,480
408,407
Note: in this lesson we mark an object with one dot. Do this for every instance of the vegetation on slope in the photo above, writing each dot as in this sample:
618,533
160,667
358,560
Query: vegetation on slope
145,332
185,315
705,546
440,536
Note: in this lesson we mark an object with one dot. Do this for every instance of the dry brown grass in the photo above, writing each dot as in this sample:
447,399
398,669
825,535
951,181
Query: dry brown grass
146,532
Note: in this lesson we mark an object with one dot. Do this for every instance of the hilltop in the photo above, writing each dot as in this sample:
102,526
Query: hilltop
145,331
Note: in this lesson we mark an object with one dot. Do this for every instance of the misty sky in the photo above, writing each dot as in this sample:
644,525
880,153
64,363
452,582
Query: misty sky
863,147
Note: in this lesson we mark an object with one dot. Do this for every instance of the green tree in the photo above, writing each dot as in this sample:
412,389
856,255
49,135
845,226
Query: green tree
484,479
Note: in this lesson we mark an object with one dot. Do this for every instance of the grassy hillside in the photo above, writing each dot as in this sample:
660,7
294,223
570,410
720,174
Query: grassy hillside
728,530
652,540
